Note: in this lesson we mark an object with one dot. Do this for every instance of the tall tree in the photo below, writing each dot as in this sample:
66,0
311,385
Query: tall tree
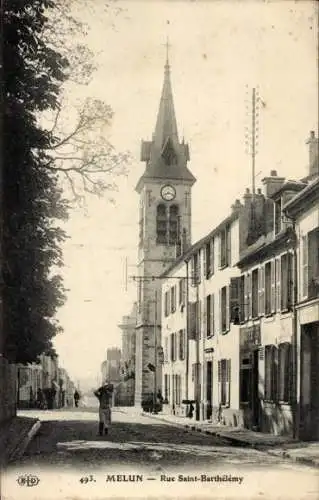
32,199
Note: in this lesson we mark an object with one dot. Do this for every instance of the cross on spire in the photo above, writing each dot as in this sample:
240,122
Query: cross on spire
167,45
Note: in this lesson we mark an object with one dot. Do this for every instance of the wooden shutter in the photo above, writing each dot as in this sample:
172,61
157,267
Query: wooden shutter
193,280
290,281
219,378
278,283
205,261
275,374
305,278
212,256
227,309
234,298
228,380
228,245
218,250
184,285
273,286
212,314
261,291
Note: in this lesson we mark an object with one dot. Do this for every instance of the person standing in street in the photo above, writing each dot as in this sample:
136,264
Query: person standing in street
76,398
104,395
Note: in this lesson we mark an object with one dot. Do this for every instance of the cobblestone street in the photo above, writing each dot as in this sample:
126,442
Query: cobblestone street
68,442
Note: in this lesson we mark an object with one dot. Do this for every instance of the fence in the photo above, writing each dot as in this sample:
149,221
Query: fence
8,388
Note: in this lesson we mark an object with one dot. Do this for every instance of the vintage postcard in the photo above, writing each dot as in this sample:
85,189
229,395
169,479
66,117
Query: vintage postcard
159,249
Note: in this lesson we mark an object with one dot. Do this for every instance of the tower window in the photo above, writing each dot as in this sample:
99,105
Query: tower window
173,224
161,224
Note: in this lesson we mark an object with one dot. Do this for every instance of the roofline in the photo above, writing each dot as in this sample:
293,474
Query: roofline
294,204
289,185
198,244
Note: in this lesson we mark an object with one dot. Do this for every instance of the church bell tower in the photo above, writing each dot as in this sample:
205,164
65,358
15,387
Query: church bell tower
164,232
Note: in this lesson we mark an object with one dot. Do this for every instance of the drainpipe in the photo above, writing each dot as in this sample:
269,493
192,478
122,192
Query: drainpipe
187,328
295,336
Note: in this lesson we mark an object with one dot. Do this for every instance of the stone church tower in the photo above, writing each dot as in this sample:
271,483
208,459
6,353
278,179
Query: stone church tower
164,232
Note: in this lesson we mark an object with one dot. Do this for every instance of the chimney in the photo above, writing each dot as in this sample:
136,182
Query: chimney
247,197
236,206
272,183
313,154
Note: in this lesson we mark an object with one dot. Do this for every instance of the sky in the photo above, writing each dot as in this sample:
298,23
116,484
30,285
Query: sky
218,52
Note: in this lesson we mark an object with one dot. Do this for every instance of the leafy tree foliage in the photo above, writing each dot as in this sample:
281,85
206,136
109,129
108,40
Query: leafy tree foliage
33,202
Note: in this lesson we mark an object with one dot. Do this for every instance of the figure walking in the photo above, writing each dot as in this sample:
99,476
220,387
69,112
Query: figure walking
104,395
76,398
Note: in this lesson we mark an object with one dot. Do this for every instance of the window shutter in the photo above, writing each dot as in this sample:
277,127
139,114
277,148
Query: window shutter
193,280
227,309
275,373
228,380
219,381
305,259
234,297
220,311
212,314
205,316
261,291
228,245
290,281
273,286
278,289
218,251
212,256
205,261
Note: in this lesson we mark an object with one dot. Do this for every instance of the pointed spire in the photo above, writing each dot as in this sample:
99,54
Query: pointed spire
166,126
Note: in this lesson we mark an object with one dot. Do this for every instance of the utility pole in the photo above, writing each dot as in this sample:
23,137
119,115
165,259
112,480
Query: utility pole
155,352
252,135
2,335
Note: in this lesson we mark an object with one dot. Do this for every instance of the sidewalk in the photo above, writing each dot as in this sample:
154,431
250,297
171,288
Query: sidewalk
15,435
282,446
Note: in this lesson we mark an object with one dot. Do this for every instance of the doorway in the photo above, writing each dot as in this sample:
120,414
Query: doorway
209,385
309,382
255,404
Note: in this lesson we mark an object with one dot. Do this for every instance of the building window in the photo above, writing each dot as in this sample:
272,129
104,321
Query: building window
196,268
268,288
224,309
277,208
173,225
173,299
285,369
210,315
182,344
286,282
167,303
225,247
161,225
310,264
271,373
192,320
224,373
254,293
247,296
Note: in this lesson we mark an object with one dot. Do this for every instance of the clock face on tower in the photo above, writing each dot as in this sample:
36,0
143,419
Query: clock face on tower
168,192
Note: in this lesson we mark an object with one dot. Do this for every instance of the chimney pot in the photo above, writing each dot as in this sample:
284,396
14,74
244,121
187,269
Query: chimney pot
273,173
312,134
247,191
258,191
